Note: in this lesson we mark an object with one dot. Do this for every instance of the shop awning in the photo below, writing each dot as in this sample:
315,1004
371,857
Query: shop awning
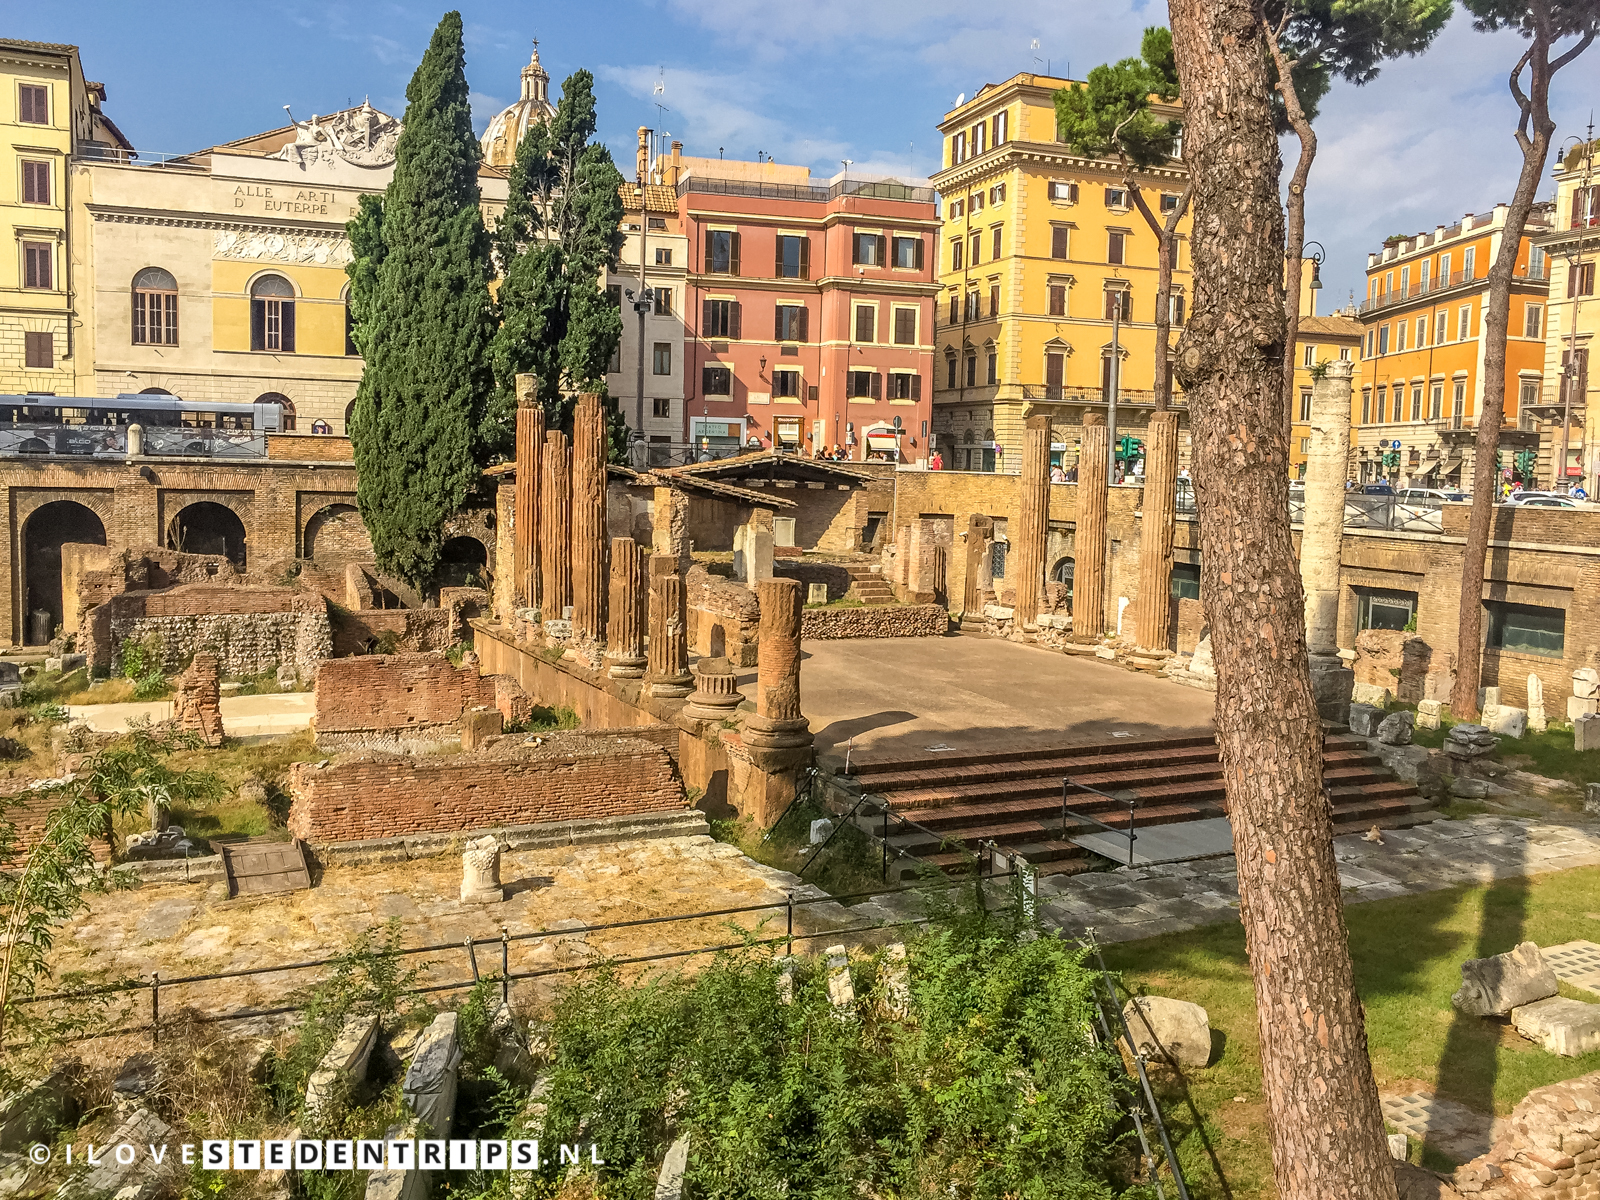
882,441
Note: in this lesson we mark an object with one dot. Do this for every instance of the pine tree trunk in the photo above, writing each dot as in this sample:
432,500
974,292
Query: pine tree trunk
1166,255
1295,237
1322,1103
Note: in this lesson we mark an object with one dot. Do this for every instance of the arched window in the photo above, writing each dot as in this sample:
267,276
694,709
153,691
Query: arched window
349,415
320,426
155,308
286,405
272,314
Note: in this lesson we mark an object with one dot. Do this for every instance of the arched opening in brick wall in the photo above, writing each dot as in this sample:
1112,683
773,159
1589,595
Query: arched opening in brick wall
207,527
463,562
337,535
50,527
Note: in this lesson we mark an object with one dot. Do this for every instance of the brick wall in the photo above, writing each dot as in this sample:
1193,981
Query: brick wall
1548,1149
875,621
571,776
418,630
29,811
1189,620
372,699
309,447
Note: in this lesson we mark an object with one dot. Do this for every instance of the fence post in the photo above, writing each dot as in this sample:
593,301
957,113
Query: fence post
505,967
885,840
155,1008
472,956
789,933
1132,804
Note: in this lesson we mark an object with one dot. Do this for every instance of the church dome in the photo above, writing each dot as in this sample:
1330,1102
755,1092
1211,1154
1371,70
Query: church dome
500,140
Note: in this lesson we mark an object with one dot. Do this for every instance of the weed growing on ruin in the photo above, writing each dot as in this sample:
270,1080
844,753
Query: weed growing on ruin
141,662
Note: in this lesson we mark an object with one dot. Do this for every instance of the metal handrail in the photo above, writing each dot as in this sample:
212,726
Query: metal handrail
1066,782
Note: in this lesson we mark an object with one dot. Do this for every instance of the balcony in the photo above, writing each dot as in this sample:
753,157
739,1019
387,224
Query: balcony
1127,397
1415,291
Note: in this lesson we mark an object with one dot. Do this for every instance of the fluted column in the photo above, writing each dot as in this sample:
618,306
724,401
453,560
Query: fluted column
1160,508
525,509
1089,542
1033,508
555,519
589,545
669,648
625,626
1322,537
778,721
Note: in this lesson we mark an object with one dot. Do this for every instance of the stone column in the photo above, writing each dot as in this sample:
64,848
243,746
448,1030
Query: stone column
589,545
525,516
669,524
980,529
716,695
777,722
1089,542
625,628
668,652
1033,510
1322,537
1153,613
555,520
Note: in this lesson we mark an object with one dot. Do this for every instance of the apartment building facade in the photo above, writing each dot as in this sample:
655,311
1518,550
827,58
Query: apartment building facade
1570,404
653,225
1415,414
808,310
1319,340
1040,248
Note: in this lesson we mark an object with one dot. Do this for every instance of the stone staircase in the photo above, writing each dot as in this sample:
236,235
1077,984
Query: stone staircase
1013,798
867,585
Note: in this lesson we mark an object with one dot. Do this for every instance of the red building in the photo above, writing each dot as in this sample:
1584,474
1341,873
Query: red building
808,311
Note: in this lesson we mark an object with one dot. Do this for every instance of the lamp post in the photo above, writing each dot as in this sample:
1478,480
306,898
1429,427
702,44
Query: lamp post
1317,257
1571,376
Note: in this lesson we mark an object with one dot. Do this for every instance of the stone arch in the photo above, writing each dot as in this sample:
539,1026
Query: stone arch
46,530
336,534
206,527
461,559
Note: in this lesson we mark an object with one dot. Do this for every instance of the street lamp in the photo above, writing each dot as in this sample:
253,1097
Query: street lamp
1316,256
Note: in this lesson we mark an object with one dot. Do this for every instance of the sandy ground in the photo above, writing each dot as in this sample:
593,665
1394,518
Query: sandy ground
242,716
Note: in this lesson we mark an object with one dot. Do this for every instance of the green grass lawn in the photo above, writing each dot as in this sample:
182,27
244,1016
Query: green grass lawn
1407,953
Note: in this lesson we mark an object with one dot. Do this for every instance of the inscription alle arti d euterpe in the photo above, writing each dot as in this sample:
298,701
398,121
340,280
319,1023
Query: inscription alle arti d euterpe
292,202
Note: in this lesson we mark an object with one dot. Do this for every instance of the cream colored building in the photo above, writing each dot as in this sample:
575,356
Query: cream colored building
666,275
50,117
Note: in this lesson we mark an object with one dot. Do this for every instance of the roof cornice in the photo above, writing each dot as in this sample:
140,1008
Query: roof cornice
1056,154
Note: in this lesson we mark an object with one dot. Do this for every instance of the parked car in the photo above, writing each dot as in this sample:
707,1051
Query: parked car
1441,495
1380,488
1549,502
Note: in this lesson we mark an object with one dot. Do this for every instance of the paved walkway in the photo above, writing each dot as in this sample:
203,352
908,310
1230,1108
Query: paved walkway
242,716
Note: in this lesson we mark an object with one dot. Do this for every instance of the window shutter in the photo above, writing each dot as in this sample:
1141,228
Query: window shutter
877,385
27,105
883,250
805,322
734,321
733,255
917,262
777,323
138,318
805,258
1072,192
777,257
286,307
172,320
916,387
708,250
258,324
706,329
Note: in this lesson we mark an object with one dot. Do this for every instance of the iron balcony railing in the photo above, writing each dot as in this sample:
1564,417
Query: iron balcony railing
818,193
1413,291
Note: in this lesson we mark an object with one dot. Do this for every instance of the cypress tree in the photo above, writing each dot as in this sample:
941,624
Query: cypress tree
420,294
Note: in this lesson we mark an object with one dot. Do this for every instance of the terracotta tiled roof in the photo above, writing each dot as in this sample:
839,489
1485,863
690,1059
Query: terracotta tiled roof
17,44
658,196
1335,326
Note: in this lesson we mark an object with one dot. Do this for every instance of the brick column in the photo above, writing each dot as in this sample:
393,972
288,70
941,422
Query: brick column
555,520
525,519
778,722
1153,611
1033,508
669,651
1322,538
625,628
589,546
1089,542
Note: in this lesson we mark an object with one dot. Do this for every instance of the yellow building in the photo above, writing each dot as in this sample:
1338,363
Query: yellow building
49,117
1038,249
1571,388
1318,340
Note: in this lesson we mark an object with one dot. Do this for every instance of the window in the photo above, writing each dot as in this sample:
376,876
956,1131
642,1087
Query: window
1058,241
1469,261
1115,244
866,385
1116,198
997,194
38,263
1585,207
793,258
1379,609
994,368
661,406
1055,366
658,223
1458,402
866,322
958,149
1444,270
1058,299
1441,332
975,202
716,380
1416,402
1066,192
1000,127
869,250
33,104
1369,344
1305,404
663,299
908,253
972,370
955,309
1422,275
950,372
1580,279
1422,332
1344,353
1185,583
1405,281
1399,336
272,314
905,327
614,295
661,359
1310,357
1536,262
1119,304
1464,324
1436,402
1383,403
1176,312
997,559
1533,321
994,251
972,313
994,299
1366,406
1527,394
976,247
786,383
663,253
720,319
791,323
39,350
35,182
615,365
979,136
722,252
1169,202
1383,339
955,254
955,209
155,308
905,387
1526,629
285,410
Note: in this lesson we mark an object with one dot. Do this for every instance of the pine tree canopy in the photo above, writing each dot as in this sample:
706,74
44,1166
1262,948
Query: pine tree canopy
424,321
1110,116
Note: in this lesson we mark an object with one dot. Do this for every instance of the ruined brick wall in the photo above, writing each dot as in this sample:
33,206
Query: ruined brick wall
572,776
461,604
1189,620
875,621
723,617
295,447
1548,1149
386,701
29,812
248,629
416,630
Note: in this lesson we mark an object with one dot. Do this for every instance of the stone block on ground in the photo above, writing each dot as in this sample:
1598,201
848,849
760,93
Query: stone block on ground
1428,713
896,981
1365,719
33,1113
841,991
1399,1147
1562,1026
1536,717
669,1183
1164,1028
1412,1182
347,1058
1591,797
1579,706
137,1079
142,1178
430,1083
1586,683
1396,728
816,593
1371,694
1506,720
480,872
1493,986
512,1058
1586,733
1409,763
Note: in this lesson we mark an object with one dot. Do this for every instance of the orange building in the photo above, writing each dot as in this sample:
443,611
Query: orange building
1415,414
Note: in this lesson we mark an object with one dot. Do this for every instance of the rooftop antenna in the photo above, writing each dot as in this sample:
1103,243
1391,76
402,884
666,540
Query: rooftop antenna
848,163
1034,45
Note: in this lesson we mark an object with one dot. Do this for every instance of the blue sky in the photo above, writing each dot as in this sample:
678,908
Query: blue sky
810,81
